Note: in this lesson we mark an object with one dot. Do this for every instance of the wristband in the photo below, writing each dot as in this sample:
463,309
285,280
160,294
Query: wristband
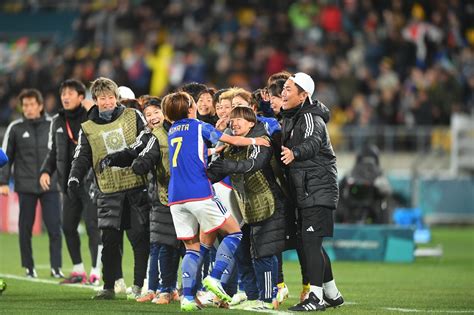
254,142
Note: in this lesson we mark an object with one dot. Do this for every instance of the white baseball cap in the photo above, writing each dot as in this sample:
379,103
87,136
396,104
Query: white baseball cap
305,82
126,93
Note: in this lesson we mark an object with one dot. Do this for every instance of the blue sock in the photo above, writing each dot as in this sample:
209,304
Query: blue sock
189,271
203,267
205,259
225,254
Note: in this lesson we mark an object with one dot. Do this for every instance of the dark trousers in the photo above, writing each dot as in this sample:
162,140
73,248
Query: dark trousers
112,251
139,237
168,262
111,256
302,260
245,265
50,205
281,276
258,275
266,271
153,267
73,209
316,223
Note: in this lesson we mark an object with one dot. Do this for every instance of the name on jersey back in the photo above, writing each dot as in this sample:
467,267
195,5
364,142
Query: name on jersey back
178,128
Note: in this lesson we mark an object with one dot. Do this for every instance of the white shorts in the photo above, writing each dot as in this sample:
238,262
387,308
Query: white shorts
208,214
227,197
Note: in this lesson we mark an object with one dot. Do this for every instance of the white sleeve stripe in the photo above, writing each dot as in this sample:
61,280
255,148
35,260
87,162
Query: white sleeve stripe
139,141
50,136
148,146
78,146
141,116
200,144
255,152
309,124
7,134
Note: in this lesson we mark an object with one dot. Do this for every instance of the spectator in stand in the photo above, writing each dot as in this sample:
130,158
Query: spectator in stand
216,46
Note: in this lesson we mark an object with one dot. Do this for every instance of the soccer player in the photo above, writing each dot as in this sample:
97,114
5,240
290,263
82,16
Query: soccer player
191,197
263,208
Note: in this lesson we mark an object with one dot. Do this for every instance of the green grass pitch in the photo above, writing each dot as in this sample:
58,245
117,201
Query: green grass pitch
430,285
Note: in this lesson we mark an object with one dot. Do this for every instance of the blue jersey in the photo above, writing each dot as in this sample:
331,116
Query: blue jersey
271,124
226,182
3,158
188,160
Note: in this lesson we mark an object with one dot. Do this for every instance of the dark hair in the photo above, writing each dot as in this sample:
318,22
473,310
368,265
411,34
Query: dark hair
284,75
276,87
175,105
244,112
194,89
256,99
130,103
74,84
152,101
210,91
27,93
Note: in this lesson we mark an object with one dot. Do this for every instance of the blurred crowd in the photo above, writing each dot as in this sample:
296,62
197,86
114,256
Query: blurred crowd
375,62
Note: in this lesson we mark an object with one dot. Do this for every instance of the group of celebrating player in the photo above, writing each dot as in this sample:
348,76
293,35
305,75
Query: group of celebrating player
209,169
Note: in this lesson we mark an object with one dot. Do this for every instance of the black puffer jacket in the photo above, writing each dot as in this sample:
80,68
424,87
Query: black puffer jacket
26,145
110,207
61,147
313,173
162,229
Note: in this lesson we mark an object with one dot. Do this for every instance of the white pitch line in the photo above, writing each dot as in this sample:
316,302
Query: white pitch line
81,286
413,310
269,311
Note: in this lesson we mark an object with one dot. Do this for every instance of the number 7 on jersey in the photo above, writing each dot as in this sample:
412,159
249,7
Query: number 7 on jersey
179,141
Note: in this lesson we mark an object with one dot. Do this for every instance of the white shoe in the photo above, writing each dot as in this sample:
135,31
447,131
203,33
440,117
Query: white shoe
238,298
208,299
260,306
120,286
189,306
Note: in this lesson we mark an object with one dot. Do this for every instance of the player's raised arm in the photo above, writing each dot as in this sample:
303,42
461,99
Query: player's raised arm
243,141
